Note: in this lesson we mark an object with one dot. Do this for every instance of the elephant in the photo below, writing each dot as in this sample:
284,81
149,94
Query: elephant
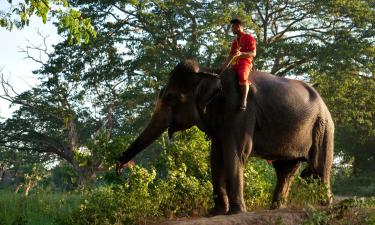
286,121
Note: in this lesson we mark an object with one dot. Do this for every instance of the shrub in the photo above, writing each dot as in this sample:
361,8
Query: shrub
348,211
305,192
259,180
183,195
127,203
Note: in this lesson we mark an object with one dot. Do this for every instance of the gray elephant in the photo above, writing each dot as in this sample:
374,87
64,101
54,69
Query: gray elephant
286,121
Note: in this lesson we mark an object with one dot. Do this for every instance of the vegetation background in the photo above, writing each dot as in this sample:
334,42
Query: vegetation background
97,91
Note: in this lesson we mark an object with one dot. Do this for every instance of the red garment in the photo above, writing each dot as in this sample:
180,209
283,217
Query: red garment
243,66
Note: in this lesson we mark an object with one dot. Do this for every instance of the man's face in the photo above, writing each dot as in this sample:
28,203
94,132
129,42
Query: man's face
236,28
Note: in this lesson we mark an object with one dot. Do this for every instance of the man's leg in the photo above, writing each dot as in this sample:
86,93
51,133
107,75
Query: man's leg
244,91
243,77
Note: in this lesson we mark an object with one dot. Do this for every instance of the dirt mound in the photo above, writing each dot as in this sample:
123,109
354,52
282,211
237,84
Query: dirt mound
266,217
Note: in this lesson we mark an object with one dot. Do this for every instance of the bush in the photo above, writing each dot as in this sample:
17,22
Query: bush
181,187
348,211
306,192
259,180
63,177
183,195
127,203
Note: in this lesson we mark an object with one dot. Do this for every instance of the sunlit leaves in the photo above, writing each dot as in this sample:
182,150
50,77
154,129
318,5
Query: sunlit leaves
71,21
77,27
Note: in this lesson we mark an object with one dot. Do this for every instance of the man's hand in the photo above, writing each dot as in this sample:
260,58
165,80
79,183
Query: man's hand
238,53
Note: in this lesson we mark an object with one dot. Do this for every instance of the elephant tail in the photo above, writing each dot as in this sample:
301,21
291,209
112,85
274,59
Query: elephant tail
321,153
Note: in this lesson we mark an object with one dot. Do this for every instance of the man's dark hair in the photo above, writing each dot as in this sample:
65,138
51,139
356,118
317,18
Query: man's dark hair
236,21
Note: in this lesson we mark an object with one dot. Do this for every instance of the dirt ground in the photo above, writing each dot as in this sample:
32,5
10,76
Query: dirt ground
265,217
345,211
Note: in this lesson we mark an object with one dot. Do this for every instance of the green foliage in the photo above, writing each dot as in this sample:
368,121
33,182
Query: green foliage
316,217
63,178
111,82
370,220
127,203
141,197
40,208
70,20
181,194
189,151
350,97
78,28
116,148
182,186
90,95
259,181
355,185
186,187
305,192
348,211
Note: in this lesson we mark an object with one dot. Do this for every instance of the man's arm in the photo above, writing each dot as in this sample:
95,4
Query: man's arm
250,54
251,45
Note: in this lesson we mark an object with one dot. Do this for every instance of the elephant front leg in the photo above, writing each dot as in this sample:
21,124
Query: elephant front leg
234,168
218,182
285,171
235,190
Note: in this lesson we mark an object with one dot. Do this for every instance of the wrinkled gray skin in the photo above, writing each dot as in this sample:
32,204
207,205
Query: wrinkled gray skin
286,121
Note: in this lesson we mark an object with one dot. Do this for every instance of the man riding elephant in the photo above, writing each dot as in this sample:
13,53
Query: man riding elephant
241,55
287,122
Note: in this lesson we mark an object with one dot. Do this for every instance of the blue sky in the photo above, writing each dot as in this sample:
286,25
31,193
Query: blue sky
13,64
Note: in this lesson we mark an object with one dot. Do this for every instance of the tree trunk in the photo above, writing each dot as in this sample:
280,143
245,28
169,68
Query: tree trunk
18,188
28,187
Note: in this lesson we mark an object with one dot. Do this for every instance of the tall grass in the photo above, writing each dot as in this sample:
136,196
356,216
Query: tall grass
38,208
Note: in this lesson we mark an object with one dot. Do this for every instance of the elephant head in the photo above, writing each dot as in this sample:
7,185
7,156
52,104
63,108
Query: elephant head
180,105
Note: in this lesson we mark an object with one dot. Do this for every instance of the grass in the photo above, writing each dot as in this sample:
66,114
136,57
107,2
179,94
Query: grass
180,195
354,211
355,186
38,208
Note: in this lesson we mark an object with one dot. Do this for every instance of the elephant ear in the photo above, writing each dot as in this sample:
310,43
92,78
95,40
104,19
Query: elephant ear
208,88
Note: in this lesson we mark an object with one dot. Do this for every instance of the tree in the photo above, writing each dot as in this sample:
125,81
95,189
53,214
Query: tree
100,91
70,21
351,99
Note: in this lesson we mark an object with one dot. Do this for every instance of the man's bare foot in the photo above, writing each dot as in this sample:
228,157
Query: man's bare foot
243,108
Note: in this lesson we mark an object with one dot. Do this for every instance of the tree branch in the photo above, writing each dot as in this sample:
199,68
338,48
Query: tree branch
42,48
290,66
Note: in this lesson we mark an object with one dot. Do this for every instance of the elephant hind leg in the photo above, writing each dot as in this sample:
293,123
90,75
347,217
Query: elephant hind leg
285,171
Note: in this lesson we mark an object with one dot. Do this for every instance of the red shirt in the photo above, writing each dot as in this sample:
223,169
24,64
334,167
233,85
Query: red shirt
247,44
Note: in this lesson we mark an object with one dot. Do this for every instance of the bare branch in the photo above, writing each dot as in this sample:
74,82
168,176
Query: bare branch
260,14
288,27
7,87
11,95
42,48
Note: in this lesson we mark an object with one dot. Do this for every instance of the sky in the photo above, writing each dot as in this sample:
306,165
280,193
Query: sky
13,64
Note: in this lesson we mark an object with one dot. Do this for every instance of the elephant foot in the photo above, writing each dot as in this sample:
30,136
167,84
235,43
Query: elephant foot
277,205
236,210
216,211
328,202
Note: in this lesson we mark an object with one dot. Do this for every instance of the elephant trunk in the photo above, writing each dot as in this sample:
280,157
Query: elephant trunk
160,121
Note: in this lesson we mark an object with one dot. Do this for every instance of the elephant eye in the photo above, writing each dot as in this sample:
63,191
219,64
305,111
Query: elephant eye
171,98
